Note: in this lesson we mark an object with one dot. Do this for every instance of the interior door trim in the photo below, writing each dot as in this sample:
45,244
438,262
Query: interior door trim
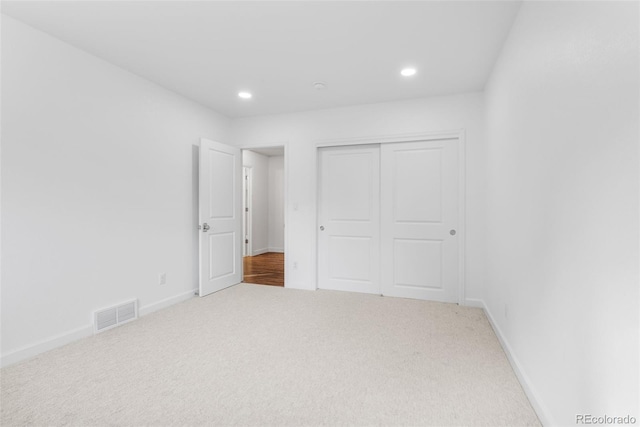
456,134
387,139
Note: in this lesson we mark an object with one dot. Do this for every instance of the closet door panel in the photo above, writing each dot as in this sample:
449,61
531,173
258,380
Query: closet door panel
349,219
419,214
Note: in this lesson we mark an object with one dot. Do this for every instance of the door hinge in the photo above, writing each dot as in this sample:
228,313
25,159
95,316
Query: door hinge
246,209
246,240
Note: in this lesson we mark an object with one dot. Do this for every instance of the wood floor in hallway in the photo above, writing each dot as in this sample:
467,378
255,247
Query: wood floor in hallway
264,269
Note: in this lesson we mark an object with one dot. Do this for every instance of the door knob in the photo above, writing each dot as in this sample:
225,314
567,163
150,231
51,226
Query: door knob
205,227
452,232
322,228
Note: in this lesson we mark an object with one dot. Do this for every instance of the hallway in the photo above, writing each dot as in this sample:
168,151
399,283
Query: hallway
264,269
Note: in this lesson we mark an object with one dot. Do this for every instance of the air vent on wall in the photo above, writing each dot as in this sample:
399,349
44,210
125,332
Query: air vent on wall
114,316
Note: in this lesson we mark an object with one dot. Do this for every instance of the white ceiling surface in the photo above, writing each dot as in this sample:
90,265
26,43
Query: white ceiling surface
208,51
269,151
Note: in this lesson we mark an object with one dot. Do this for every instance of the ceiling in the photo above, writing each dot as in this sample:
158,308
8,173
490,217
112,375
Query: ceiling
269,151
208,51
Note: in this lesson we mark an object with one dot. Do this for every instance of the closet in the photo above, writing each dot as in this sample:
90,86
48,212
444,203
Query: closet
387,219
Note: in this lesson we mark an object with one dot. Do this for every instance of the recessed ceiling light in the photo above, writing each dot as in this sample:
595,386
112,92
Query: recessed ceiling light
319,85
408,72
244,95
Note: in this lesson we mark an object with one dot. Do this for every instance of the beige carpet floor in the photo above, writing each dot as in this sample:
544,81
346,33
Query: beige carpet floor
262,355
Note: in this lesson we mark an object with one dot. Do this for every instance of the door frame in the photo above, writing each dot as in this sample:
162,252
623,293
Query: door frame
284,144
459,135
247,176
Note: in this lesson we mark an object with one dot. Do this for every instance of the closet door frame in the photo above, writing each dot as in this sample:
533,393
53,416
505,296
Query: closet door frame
455,135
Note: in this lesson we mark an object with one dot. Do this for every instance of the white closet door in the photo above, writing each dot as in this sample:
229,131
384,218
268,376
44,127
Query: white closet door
419,197
349,219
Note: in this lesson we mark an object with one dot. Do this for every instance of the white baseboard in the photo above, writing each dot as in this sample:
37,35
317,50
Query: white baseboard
46,345
472,302
534,397
278,250
56,341
147,309
304,286
260,251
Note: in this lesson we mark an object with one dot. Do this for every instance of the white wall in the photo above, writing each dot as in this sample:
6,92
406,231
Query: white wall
259,207
562,205
99,190
276,204
300,132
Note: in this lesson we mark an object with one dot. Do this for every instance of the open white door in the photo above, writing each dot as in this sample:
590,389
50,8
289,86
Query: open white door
220,214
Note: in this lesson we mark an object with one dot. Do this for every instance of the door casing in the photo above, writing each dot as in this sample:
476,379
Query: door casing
247,248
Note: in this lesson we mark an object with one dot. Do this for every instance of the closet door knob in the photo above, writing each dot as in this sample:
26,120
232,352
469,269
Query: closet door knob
322,228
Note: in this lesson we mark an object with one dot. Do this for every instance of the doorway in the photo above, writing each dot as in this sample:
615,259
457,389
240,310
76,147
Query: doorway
263,216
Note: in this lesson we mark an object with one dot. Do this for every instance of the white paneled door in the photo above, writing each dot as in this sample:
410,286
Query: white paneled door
419,196
220,214
388,219
349,219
